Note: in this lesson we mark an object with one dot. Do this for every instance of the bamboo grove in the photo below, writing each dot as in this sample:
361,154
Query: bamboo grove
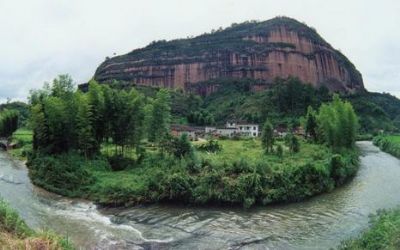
64,119
8,122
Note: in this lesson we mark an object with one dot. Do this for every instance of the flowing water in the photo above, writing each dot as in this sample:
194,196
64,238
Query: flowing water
319,223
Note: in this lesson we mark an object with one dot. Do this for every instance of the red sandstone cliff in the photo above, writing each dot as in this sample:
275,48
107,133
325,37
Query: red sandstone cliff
280,47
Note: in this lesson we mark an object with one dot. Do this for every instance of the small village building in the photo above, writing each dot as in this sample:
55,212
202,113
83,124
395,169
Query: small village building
232,128
250,130
299,131
193,132
280,131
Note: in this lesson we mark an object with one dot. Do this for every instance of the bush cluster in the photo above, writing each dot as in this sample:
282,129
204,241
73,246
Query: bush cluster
65,174
165,178
388,144
211,146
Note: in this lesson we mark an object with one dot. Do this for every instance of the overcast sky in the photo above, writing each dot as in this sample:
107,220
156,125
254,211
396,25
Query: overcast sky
41,39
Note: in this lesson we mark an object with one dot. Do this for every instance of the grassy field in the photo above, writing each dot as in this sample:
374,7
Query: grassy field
384,233
394,138
251,151
240,173
22,138
389,144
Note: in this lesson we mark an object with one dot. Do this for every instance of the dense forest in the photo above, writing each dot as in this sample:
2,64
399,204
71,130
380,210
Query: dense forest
284,103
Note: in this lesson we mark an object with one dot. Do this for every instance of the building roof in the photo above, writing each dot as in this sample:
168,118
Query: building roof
242,123
185,128
226,128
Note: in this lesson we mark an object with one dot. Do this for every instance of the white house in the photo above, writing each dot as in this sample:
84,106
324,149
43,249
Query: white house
228,132
232,128
250,130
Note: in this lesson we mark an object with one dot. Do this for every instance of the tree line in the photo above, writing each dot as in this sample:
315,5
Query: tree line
8,122
334,124
64,119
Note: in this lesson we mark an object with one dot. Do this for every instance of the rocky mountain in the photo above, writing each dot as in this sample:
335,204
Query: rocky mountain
281,47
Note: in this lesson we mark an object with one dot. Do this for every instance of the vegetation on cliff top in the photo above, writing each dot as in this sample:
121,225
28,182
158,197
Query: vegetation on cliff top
233,38
230,38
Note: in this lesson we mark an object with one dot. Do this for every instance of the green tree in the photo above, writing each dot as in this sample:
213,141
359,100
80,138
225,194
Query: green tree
40,127
352,125
337,124
294,144
8,122
126,112
63,87
84,130
311,123
267,137
160,116
135,125
180,147
58,122
53,119
96,102
279,151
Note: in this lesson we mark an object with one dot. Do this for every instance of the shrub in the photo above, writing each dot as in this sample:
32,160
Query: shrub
388,144
211,146
177,186
343,167
279,151
208,187
337,168
63,174
294,144
119,162
11,222
239,167
179,147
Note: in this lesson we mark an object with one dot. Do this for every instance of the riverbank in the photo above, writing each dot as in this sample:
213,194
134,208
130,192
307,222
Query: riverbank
240,174
383,233
15,234
389,144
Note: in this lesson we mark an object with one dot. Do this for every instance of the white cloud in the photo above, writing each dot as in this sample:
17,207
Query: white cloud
43,38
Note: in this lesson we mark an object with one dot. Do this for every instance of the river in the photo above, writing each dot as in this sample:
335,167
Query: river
319,223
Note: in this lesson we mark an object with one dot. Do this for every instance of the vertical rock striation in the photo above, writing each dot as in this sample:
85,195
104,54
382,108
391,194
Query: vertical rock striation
280,47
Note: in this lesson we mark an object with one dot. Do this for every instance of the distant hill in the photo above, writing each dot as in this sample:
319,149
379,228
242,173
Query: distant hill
250,71
262,51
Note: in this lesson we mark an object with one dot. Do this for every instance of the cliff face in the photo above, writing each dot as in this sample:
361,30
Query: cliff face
280,47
